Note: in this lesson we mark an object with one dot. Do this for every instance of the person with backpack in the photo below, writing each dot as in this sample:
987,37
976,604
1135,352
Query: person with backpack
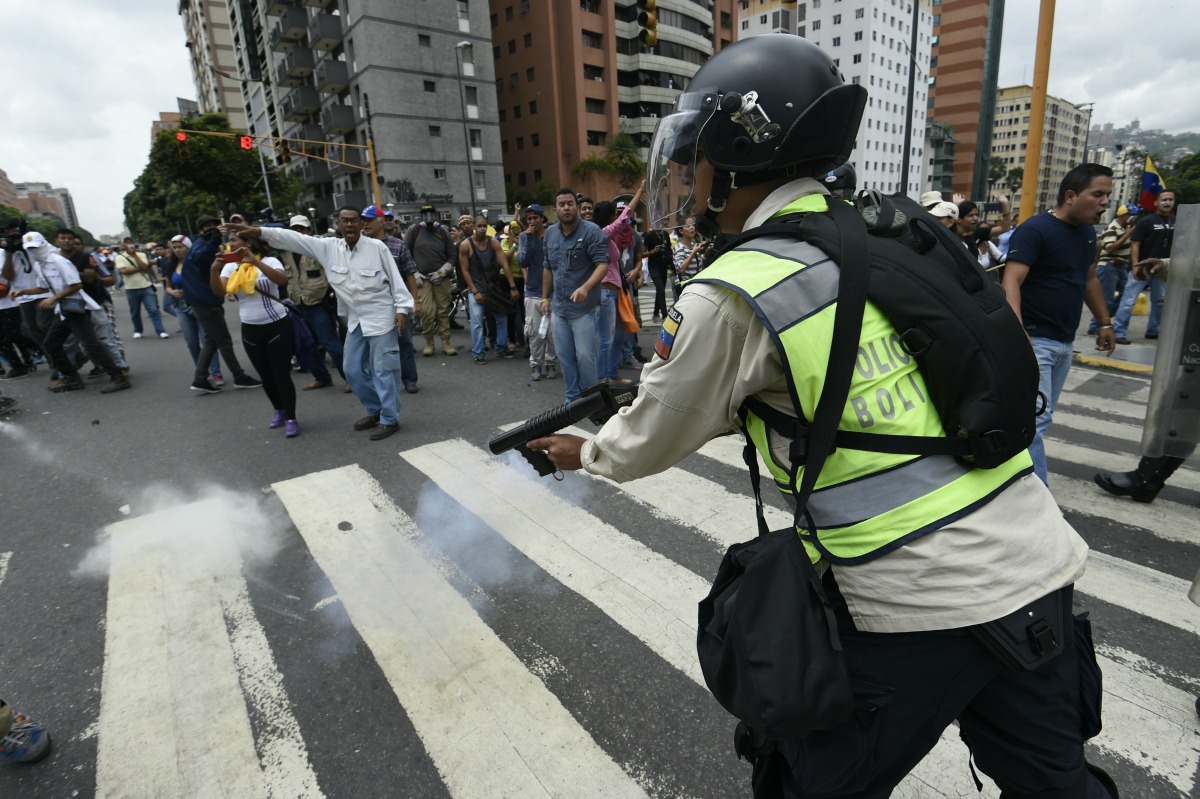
923,559
434,251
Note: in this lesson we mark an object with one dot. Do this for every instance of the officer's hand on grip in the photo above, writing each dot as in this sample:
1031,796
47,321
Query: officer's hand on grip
562,450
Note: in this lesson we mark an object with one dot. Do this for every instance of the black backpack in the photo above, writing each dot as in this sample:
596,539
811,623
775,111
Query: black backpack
951,316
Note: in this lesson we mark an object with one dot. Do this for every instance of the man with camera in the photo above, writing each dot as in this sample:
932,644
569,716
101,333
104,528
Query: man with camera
139,288
17,347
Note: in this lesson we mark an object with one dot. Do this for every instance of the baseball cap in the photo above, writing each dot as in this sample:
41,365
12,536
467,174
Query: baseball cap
428,209
1125,209
945,210
182,239
389,213
534,208
34,239
372,212
205,219
236,215
299,220
930,198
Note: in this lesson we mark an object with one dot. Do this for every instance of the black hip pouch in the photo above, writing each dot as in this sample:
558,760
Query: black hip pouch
1031,636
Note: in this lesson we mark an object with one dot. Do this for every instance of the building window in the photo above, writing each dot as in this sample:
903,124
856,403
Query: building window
532,107
537,175
512,46
430,86
593,73
837,19
516,112
591,6
534,141
858,13
503,115
512,79
423,40
508,14
528,41
816,24
520,142
858,58
495,53
439,174
529,75
746,25
591,39
837,41
858,36
521,181
593,106
596,138
435,131
504,150
495,21
762,20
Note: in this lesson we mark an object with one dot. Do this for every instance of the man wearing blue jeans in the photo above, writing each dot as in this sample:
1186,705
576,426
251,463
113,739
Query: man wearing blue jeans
1152,238
139,289
307,288
576,262
1050,274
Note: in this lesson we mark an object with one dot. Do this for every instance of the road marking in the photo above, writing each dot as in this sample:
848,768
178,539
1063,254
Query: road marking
1056,448
1142,590
1162,518
5,557
184,655
1076,378
648,594
490,726
1134,412
1123,431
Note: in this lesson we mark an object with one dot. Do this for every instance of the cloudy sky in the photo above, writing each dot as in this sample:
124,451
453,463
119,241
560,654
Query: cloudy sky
90,75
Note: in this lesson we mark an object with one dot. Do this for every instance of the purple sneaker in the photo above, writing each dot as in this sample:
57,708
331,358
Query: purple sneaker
276,420
291,428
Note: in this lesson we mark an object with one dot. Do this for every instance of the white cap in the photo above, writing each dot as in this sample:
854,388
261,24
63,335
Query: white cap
299,221
945,210
34,239
930,198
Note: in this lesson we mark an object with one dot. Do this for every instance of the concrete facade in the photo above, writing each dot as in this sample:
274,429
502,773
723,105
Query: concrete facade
8,191
571,75
962,91
1063,140
209,39
41,199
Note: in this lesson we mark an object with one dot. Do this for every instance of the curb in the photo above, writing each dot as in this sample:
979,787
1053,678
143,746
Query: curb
1115,364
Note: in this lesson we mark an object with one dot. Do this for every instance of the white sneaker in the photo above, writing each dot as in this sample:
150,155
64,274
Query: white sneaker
137,335
164,334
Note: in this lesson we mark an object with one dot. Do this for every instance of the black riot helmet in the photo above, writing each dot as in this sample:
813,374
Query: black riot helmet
763,108
841,181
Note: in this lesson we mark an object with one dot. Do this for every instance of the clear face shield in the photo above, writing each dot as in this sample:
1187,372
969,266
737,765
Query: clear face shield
672,166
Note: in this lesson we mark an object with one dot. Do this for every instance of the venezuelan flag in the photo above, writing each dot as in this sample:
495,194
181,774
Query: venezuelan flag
1151,185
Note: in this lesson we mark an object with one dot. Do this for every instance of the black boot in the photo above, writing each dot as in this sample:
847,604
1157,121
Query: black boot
1101,776
1142,484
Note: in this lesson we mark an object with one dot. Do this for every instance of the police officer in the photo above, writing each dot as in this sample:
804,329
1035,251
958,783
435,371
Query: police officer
916,552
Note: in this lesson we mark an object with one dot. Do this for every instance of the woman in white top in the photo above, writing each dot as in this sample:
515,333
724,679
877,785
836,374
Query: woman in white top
266,329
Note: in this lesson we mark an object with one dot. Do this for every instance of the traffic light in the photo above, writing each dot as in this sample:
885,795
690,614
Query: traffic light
648,20
246,142
181,141
285,152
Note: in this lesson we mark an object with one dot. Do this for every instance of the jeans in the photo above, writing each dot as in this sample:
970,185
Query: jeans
324,329
1054,362
147,297
408,358
193,335
478,313
216,337
372,366
605,327
1112,279
169,305
80,325
1158,290
106,335
575,342
541,348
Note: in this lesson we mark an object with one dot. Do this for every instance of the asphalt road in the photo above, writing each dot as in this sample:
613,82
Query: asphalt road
197,606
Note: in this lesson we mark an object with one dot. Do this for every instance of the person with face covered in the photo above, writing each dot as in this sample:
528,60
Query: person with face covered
433,249
59,290
209,310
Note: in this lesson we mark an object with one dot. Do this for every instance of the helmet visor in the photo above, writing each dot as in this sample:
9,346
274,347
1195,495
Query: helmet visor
672,168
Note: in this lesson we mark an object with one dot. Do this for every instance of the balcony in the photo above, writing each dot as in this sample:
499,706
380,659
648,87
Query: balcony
355,198
290,30
325,32
353,157
332,76
295,67
300,103
311,132
337,120
324,5
274,8
314,171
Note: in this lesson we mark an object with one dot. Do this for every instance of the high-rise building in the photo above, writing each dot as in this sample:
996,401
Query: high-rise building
209,40
940,144
41,199
8,191
1063,140
572,75
872,43
962,88
323,73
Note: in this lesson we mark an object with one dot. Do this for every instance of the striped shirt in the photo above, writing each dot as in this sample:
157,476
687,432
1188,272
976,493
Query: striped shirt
259,308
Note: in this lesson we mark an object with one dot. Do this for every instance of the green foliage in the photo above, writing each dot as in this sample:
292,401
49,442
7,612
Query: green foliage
1184,179
997,169
1014,178
7,212
47,227
620,159
203,175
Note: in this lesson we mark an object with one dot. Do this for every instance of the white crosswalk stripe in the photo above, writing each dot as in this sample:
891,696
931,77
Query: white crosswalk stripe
184,635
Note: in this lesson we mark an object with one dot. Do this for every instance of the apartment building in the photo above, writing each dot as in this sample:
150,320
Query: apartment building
1064,139
569,76
42,199
209,39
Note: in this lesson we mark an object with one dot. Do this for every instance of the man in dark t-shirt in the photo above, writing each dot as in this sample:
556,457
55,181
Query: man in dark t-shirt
1152,238
1050,274
92,282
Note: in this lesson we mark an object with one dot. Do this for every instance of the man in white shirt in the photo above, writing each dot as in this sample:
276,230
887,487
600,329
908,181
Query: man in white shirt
58,290
374,302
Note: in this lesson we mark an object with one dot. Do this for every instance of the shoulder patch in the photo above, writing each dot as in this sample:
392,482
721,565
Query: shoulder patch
666,336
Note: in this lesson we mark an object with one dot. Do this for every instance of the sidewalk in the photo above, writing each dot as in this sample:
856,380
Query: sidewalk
1136,358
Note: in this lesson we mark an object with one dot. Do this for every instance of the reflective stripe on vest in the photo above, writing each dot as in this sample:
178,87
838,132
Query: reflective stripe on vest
865,503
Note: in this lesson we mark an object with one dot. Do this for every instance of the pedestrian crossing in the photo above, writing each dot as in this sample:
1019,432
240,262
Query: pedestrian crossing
537,638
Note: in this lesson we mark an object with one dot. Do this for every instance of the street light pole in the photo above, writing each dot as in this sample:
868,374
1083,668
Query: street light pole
462,96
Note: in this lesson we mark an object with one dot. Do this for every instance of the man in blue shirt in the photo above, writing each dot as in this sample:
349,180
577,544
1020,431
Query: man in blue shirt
1050,274
576,262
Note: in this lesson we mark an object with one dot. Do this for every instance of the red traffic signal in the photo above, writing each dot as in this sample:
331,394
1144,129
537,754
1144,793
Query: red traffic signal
246,142
181,136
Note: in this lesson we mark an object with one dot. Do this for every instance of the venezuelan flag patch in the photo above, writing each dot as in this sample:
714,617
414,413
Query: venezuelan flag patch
666,336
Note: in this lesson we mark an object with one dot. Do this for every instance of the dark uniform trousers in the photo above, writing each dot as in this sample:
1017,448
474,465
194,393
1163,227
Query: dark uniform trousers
1023,728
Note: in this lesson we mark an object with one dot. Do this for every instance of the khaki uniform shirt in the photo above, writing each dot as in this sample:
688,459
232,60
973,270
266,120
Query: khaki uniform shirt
1014,549
306,280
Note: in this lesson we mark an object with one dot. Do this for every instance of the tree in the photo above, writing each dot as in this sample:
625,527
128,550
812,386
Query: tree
1014,179
1184,179
620,160
201,175
997,169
